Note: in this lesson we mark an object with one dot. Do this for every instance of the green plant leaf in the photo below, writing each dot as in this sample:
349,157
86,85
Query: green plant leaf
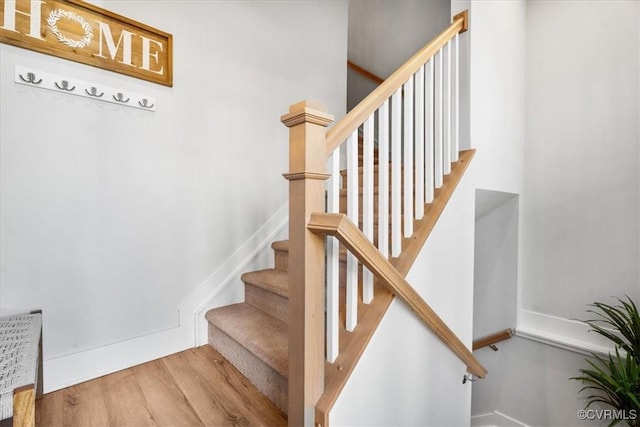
619,324
614,380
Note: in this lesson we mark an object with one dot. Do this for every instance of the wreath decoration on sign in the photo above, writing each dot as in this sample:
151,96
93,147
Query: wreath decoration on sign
52,22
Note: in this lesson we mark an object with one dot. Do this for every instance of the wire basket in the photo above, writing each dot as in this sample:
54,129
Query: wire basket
19,350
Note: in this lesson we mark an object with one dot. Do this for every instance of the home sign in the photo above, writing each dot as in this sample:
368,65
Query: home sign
81,32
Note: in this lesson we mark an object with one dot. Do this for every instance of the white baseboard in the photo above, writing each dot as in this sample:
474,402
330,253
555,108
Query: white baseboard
567,334
70,369
495,418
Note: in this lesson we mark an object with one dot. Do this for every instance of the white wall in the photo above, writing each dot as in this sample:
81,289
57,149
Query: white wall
497,131
580,210
406,376
112,218
384,34
579,202
497,39
464,76
529,382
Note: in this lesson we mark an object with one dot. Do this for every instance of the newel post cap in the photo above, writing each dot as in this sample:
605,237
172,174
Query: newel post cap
307,112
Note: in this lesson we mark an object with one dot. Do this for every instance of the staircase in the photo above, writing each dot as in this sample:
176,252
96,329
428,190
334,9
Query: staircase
277,337
253,335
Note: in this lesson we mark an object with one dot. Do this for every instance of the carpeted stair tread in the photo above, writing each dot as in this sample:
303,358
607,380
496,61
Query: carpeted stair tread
272,280
263,335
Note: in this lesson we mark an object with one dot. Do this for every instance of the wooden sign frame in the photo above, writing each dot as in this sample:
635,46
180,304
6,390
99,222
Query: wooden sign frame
81,32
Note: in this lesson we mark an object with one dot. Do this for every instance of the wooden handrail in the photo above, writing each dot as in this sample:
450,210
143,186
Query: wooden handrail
356,242
492,339
342,129
365,73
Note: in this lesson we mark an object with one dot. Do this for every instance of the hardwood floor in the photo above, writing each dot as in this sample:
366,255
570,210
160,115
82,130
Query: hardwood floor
196,387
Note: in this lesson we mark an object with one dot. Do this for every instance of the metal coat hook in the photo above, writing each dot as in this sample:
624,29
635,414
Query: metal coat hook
94,92
469,377
31,78
69,85
65,86
145,104
120,97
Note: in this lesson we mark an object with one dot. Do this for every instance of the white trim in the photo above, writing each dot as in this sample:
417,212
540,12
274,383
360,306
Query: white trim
567,334
70,369
65,371
495,418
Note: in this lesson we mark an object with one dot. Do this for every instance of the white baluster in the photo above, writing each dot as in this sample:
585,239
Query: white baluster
352,213
455,96
446,111
408,157
333,261
419,153
383,179
437,149
429,133
367,202
396,176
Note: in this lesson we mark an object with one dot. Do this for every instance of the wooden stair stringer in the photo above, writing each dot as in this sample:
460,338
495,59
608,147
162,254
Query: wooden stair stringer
353,344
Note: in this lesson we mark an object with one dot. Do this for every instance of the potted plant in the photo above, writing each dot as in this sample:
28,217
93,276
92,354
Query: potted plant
615,380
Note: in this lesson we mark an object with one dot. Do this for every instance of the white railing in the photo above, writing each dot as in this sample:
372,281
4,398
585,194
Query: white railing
414,116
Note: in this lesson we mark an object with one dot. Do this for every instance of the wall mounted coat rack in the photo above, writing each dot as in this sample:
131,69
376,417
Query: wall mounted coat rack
72,86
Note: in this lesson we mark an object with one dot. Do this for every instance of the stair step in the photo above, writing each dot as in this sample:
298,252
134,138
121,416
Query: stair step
281,251
256,344
272,280
268,290
263,335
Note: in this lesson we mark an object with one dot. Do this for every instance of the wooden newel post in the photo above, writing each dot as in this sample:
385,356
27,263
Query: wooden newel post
306,121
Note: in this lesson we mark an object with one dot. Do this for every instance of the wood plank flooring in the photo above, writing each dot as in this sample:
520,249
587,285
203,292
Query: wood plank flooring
196,387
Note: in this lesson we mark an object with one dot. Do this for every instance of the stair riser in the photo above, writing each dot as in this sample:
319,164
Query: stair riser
272,304
267,380
281,260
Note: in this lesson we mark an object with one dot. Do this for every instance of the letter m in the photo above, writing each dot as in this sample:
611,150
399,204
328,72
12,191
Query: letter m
124,41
